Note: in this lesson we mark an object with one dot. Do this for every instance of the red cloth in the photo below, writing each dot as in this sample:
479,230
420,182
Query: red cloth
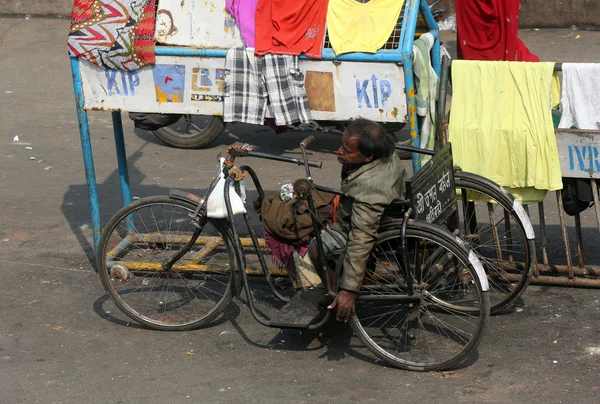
290,27
489,30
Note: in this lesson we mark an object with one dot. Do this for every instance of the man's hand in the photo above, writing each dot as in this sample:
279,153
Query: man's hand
344,301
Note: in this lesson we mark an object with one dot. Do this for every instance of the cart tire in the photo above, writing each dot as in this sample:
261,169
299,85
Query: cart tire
143,236
192,137
443,323
498,236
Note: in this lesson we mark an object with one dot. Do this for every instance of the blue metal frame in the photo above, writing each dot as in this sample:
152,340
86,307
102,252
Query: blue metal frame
86,147
403,55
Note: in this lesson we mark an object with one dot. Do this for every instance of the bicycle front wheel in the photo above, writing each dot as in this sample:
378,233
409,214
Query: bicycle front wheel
500,235
136,245
429,316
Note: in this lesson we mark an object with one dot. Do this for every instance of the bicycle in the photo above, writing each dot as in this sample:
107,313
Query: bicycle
504,243
423,304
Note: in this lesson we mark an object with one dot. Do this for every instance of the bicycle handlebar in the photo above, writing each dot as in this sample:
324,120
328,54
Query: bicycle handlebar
248,153
416,150
306,142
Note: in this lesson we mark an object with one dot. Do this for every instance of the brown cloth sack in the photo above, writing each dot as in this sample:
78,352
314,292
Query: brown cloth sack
291,220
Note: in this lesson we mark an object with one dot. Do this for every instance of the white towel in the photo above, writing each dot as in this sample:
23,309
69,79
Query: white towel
580,102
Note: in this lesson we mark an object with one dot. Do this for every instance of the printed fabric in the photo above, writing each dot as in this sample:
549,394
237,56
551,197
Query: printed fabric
501,125
244,13
113,34
290,27
489,30
254,83
361,27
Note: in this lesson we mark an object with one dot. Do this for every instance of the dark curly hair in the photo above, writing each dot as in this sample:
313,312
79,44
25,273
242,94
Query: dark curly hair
372,138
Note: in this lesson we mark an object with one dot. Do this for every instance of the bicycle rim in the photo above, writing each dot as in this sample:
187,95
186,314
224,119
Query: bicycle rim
136,245
441,324
491,227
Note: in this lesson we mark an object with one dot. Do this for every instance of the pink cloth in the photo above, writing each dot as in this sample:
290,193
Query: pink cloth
244,12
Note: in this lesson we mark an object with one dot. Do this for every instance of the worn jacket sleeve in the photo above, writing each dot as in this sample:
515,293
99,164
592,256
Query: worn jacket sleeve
361,239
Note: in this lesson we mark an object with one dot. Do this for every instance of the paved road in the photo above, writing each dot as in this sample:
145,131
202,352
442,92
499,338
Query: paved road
61,341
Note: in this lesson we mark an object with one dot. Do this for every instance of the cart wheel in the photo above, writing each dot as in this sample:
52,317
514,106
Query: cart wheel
135,246
192,131
441,323
490,225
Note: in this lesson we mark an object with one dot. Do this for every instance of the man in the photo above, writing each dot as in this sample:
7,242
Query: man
372,177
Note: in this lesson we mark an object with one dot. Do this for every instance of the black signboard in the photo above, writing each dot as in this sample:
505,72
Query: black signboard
432,190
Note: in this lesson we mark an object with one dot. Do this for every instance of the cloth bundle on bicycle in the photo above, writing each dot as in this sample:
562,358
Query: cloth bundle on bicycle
501,125
253,83
292,220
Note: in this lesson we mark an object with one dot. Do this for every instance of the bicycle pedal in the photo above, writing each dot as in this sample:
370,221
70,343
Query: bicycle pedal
301,311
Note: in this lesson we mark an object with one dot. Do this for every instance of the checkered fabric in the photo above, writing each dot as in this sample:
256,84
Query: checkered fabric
285,88
245,94
252,83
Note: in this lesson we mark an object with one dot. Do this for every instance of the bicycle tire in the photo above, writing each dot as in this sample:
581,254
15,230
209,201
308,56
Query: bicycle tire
431,322
143,236
505,246
196,139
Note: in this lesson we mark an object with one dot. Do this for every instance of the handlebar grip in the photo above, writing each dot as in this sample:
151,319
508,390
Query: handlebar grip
306,142
316,164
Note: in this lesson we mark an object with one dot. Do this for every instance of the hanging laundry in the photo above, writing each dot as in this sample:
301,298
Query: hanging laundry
501,125
361,27
113,34
426,81
244,13
489,30
252,83
580,103
289,27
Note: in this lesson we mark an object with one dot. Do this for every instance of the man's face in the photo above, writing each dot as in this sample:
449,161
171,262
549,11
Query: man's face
348,153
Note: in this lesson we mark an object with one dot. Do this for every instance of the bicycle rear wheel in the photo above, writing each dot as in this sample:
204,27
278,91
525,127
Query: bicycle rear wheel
437,326
500,233
135,246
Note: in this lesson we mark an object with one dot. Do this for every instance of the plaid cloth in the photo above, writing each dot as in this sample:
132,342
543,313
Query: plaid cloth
251,82
245,95
285,88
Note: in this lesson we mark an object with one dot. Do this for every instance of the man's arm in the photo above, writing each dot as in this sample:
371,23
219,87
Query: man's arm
361,239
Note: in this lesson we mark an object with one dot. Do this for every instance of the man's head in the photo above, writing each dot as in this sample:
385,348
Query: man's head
363,142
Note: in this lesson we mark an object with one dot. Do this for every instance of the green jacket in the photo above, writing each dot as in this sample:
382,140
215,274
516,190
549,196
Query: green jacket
367,192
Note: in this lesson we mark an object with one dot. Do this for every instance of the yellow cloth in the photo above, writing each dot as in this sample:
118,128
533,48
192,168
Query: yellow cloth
556,92
361,27
501,124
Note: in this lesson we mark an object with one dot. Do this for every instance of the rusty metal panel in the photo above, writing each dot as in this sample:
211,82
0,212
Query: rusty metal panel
196,23
194,85
320,91
579,153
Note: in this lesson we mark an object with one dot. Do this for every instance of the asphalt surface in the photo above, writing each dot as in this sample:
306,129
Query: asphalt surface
62,341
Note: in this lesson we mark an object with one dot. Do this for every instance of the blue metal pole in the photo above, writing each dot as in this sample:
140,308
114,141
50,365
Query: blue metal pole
86,147
121,157
409,28
436,59
382,55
